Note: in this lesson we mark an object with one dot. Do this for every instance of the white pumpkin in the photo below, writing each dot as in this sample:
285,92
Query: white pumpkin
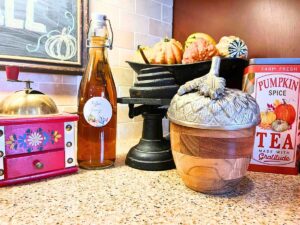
280,125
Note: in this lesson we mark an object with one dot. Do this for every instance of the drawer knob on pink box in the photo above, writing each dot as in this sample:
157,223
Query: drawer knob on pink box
38,164
1,172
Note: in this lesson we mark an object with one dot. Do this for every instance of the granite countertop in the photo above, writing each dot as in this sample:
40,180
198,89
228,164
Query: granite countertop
122,195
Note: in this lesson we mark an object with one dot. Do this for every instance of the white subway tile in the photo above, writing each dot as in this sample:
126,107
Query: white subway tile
166,2
62,94
149,8
123,76
129,130
104,7
122,114
69,79
125,55
124,39
133,22
160,29
167,14
123,91
145,39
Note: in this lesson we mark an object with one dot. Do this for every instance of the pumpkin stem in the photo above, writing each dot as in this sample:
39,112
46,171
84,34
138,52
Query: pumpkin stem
284,101
166,39
143,54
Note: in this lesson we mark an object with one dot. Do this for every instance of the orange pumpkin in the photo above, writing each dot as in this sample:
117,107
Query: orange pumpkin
199,50
285,112
167,51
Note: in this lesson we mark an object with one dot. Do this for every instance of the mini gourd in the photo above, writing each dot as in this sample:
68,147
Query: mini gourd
167,51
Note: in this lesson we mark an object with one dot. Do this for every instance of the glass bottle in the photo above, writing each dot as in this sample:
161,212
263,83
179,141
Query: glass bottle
97,102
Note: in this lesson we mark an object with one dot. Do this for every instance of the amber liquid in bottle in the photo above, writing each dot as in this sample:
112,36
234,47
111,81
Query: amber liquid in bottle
97,145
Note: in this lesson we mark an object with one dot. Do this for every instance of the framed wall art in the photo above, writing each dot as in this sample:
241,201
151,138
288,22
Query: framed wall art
44,35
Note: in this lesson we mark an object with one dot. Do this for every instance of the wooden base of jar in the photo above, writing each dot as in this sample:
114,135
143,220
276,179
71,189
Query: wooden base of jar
211,161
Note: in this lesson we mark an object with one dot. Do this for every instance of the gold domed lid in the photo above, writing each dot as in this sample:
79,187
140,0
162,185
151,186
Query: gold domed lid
28,102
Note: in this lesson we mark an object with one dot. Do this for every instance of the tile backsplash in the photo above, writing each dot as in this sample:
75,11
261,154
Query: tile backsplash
134,22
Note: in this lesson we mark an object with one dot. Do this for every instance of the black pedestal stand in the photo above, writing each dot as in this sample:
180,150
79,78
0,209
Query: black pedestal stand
153,152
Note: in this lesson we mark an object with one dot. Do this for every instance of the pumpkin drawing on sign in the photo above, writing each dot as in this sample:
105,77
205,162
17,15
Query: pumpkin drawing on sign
285,112
59,45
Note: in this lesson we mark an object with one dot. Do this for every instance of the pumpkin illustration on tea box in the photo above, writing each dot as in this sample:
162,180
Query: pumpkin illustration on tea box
267,118
285,112
280,125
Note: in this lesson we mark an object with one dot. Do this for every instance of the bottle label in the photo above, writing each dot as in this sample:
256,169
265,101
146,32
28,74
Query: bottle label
97,111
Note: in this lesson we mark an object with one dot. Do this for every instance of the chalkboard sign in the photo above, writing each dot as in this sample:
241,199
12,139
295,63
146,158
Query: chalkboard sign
47,31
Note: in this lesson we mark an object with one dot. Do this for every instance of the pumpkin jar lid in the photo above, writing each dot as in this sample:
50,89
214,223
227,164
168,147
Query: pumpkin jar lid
206,103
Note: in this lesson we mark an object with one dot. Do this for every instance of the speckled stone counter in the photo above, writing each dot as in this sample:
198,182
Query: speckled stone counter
122,195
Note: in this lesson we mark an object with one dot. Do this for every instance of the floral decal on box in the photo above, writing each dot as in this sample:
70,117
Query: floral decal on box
31,139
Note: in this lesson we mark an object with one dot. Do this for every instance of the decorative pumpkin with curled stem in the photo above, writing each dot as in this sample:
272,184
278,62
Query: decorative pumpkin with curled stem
285,112
199,50
167,51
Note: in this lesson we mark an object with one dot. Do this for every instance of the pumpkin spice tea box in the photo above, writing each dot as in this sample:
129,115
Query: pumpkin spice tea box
275,83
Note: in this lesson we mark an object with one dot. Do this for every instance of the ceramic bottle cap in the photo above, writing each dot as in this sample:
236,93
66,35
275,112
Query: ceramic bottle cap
206,103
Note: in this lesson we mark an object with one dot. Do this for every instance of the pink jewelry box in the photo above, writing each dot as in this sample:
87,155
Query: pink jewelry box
36,141
36,147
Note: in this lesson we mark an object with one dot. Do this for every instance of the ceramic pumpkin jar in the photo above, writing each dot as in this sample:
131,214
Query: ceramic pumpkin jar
167,51
212,132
